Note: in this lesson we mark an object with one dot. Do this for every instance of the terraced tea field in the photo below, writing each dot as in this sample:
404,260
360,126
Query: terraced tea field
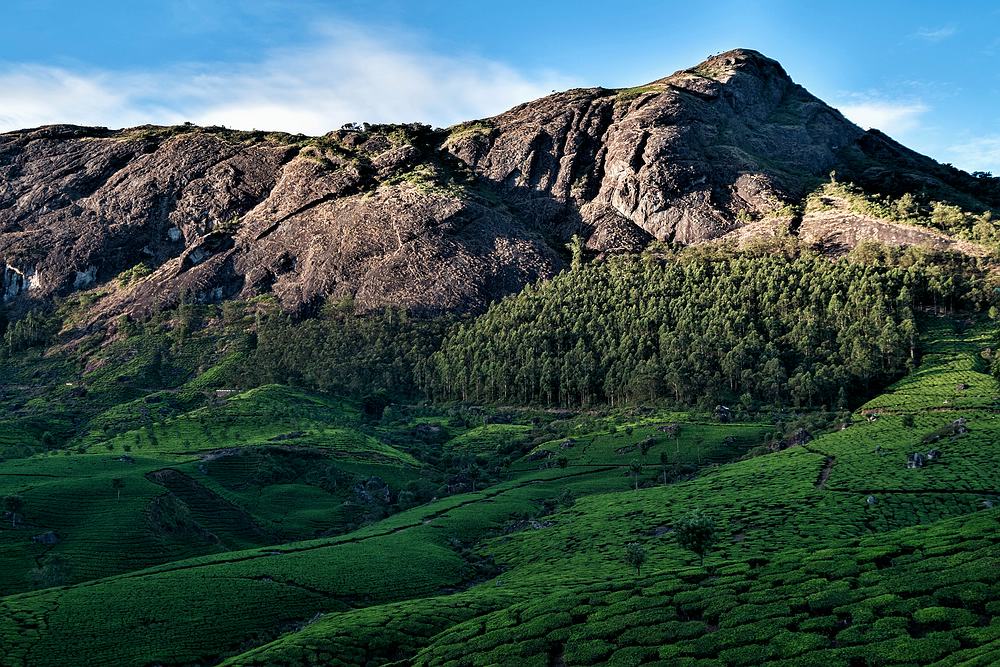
832,551
648,441
252,480
911,595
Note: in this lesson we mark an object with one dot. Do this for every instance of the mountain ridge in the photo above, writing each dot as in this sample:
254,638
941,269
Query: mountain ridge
423,219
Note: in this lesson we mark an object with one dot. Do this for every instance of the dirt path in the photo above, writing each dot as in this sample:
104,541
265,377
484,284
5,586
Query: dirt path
825,472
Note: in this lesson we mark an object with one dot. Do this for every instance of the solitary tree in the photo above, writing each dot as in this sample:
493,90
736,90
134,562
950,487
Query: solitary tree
48,440
635,556
636,469
374,404
906,206
575,247
664,461
54,572
674,431
696,532
474,473
118,484
14,505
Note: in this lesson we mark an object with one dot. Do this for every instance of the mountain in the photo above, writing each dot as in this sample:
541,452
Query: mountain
438,220
778,447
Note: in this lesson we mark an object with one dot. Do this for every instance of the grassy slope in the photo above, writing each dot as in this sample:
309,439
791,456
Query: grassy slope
227,504
805,568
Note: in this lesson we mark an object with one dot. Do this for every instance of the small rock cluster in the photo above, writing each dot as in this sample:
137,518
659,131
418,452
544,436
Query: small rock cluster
919,460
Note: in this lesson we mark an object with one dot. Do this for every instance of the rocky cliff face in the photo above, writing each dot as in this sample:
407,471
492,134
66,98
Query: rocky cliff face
682,159
424,219
217,214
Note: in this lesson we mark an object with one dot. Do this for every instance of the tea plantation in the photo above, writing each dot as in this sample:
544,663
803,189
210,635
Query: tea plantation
279,526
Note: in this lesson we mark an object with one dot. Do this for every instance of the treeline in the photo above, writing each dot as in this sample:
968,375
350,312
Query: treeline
700,328
35,328
340,352
697,327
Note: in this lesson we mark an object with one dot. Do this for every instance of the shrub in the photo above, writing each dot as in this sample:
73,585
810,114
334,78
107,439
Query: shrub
909,650
947,216
587,652
944,616
790,644
838,594
136,273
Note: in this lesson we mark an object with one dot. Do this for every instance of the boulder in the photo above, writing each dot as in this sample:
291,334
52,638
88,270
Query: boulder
799,437
47,538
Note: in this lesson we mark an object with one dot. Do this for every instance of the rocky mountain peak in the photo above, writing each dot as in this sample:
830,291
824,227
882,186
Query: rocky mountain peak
420,218
683,158
740,60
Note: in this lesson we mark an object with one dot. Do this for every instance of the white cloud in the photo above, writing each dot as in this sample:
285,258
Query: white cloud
936,34
894,117
982,154
347,75
33,95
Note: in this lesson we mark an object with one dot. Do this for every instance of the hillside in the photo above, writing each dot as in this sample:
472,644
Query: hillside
693,373
830,551
436,220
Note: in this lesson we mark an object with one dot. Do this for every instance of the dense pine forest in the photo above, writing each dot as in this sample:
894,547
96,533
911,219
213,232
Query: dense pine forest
340,352
773,326
769,326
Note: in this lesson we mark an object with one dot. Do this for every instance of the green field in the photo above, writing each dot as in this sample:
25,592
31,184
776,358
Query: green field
249,531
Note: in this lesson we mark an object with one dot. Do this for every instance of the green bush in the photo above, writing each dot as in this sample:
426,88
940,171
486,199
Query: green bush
836,595
753,654
910,650
791,644
136,273
945,616
589,652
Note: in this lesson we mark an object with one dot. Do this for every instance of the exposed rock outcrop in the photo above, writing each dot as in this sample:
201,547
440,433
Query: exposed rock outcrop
678,159
425,219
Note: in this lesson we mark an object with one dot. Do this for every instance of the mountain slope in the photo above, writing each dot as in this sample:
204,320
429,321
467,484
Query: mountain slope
676,159
821,556
431,220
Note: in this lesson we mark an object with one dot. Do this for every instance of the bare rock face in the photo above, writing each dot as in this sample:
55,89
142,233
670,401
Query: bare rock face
680,159
77,206
218,215
429,220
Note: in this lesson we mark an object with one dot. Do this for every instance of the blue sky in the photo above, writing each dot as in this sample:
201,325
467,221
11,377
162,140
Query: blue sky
923,71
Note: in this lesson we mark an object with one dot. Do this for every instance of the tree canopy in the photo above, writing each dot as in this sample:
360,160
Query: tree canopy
698,328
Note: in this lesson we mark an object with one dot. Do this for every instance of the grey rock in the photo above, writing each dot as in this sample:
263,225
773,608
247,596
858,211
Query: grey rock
428,220
48,538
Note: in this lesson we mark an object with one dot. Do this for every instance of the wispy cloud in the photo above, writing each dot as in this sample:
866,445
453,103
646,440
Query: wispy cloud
33,95
981,154
894,117
936,34
345,75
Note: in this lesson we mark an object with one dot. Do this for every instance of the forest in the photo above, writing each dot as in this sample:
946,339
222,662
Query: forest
692,328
